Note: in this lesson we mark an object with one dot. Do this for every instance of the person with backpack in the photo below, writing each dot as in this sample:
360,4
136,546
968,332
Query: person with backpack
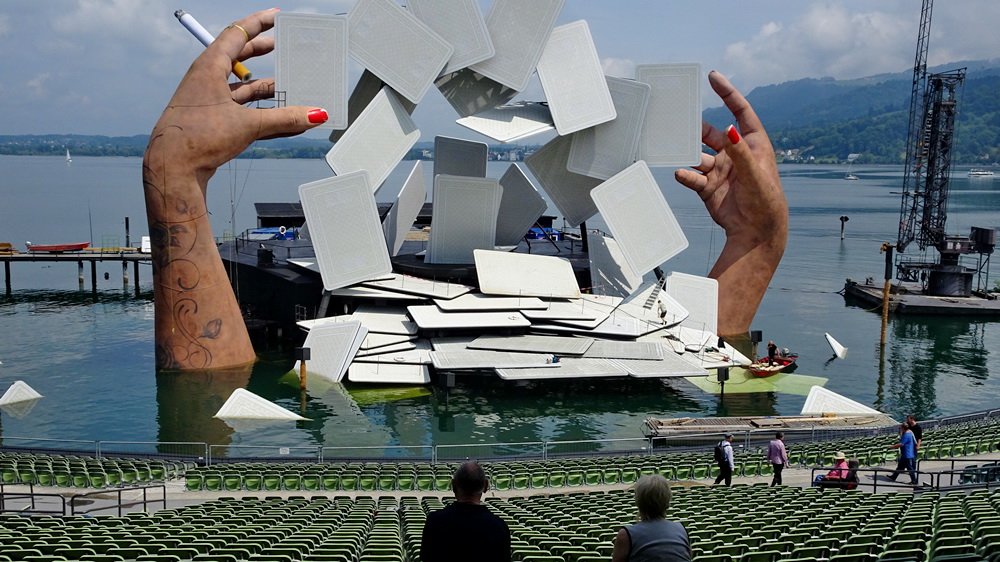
725,459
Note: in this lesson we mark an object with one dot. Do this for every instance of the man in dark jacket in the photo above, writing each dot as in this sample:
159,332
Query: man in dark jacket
466,529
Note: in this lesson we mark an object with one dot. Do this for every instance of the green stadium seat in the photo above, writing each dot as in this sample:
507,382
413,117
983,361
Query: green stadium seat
213,481
232,481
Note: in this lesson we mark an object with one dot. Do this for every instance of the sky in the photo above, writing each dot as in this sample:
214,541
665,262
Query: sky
109,66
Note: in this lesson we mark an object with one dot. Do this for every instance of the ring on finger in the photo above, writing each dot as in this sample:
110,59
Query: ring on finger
241,28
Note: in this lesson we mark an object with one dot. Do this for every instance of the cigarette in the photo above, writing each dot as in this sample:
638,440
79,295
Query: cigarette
200,33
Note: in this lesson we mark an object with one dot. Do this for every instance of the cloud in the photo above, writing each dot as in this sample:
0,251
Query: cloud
106,23
37,84
825,40
623,68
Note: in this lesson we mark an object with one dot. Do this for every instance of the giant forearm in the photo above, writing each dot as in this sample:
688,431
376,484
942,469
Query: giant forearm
198,321
744,271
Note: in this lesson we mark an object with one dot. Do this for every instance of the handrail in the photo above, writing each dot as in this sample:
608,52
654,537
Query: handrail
934,482
32,495
118,491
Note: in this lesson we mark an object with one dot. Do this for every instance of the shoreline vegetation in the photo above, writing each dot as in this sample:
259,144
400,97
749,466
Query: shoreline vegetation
134,146
811,121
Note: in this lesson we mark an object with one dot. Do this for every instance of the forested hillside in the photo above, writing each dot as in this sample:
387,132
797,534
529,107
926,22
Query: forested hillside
810,120
826,119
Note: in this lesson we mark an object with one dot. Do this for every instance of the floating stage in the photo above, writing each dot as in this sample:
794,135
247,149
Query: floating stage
909,300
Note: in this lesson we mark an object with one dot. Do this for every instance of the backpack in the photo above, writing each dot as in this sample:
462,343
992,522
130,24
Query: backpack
720,453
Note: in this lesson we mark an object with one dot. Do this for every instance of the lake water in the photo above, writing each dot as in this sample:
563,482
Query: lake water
92,359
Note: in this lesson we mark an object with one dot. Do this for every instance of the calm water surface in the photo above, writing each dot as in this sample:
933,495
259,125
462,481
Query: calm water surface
92,359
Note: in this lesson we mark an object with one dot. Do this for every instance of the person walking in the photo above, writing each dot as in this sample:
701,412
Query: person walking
725,459
777,456
907,454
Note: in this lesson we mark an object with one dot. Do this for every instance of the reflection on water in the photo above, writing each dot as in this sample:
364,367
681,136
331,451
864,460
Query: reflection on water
929,355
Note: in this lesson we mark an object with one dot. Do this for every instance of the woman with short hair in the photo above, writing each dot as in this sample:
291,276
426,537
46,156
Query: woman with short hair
653,538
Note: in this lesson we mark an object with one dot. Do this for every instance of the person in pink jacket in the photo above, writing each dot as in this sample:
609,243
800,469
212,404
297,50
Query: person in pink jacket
777,456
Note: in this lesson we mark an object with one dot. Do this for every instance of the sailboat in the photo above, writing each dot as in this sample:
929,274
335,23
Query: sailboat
850,164
69,159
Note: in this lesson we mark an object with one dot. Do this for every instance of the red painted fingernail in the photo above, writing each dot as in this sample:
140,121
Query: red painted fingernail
733,134
317,115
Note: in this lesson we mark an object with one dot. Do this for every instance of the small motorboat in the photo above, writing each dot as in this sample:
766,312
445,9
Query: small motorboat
782,364
56,248
851,177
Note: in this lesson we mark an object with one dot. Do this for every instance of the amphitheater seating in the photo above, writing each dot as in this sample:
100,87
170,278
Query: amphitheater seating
571,472
739,524
90,472
43,469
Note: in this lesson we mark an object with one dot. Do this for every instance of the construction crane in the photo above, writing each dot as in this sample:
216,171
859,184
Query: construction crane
924,208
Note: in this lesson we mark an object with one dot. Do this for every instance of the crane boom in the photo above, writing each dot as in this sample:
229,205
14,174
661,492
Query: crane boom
915,149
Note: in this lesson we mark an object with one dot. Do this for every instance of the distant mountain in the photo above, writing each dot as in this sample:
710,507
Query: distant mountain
812,119
828,119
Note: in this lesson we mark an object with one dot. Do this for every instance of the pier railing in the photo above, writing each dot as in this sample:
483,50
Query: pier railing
204,453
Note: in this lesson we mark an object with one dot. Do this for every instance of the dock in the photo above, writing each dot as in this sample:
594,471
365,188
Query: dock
125,255
905,300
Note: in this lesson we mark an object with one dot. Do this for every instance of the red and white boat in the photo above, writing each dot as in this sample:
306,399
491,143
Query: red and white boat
56,248
782,364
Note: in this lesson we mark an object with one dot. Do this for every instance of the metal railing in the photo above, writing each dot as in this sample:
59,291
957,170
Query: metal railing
264,453
49,445
84,499
751,441
33,497
619,446
378,452
157,449
490,451
965,478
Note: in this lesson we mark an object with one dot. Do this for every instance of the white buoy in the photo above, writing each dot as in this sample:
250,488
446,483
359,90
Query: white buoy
838,350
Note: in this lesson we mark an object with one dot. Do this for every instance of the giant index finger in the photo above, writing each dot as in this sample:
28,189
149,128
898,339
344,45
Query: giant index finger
741,109
236,36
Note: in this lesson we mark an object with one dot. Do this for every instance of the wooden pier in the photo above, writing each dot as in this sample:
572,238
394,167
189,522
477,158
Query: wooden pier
125,255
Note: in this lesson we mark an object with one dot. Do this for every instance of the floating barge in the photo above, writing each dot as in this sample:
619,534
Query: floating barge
696,427
823,410
906,300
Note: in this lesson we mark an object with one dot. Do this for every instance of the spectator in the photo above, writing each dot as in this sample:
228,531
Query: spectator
777,456
918,432
725,459
840,469
466,529
653,537
907,454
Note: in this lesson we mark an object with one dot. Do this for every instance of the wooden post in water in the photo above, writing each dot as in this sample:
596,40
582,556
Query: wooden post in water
124,275
79,273
302,354
887,249
135,274
93,277
6,276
